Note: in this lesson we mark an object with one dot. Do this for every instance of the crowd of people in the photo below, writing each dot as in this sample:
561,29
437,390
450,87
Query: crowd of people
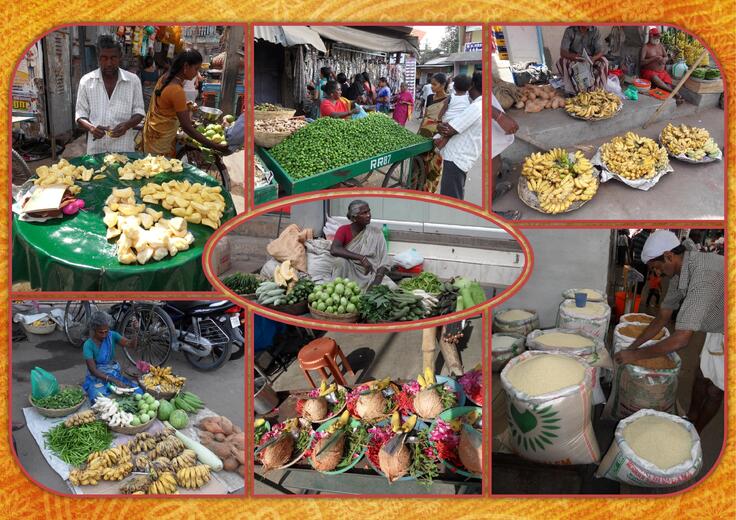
450,112
112,103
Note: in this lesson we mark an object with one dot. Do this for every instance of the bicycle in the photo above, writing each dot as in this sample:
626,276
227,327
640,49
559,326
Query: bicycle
209,161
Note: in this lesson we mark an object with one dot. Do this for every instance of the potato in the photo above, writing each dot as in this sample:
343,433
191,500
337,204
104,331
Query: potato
230,464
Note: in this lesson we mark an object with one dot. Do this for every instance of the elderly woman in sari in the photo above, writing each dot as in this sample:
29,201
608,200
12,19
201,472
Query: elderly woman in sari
575,40
99,355
360,250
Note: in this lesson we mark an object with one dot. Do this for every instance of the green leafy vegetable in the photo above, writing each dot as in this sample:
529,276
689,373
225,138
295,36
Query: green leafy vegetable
242,283
66,398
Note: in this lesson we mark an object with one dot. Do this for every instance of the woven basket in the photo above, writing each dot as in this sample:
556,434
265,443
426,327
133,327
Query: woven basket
58,412
132,430
269,139
157,394
351,317
295,309
267,115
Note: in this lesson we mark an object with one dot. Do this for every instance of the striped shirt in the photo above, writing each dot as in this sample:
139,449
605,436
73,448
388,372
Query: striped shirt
465,148
698,292
94,104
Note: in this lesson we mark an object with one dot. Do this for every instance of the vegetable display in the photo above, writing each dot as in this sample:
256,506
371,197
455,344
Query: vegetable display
269,107
559,179
276,292
598,104
225,440
427,282
535,98
162,380
65,398
330,143
63,172
74,445
471,293
196,203
242,283
634,157
279,126
689,141
379,303
340,296
149,166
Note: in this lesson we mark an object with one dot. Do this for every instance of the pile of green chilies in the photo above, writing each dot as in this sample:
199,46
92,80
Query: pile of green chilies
65,398
74,445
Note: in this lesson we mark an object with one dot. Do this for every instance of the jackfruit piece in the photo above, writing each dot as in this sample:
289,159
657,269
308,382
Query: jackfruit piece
178,224
155,214
209,222
194,218
110,218
189,238
123,193
146,220
160,253
145,255
112,232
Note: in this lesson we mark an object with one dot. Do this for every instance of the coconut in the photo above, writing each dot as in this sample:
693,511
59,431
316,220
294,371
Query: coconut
370,406
278,453
394,466
329,459
470,453
315,409
428,404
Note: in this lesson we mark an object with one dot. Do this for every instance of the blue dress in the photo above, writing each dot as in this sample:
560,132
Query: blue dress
104,357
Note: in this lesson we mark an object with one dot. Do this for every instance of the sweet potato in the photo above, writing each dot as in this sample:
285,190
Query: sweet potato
230,464
204,435
220,449
236,429
220,437
241,470
239,454
238,441
519,104
548,104
226,425
211,424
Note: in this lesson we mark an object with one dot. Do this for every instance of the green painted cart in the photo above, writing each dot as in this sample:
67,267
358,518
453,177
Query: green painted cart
263,194
406,170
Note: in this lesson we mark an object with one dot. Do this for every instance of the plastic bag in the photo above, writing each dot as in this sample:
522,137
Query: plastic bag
43,383
631,93
613,86
361,114
408,258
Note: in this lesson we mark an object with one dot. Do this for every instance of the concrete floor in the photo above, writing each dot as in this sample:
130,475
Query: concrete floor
376,356
222,391
690,192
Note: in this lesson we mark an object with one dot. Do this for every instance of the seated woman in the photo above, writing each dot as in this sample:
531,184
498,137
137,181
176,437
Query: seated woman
360,250
575,40
99,354
333,104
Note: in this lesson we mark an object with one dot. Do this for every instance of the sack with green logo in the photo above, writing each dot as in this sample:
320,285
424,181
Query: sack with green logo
553,427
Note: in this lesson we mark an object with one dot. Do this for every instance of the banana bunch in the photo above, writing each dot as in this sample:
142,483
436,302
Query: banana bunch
165,484
80,418
634,157
109,457
285,275
325,389
118,472
690,141
427,379
159,466
85,477
63,172
149,166
170,447
185,459
195,203
136,485
559,180
407,427
341,423
193,477
379,385
142,442
163,379
597,104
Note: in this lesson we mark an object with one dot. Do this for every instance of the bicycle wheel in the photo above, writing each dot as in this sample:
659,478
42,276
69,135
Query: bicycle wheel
397,178
76,321
21,172
156,334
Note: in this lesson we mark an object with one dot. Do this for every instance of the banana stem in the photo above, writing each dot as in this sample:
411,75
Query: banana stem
429,348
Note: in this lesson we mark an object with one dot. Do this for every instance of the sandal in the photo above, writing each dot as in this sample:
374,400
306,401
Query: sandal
511,214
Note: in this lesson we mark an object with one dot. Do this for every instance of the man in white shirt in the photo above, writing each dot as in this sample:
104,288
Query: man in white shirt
465,134
426,92
109,102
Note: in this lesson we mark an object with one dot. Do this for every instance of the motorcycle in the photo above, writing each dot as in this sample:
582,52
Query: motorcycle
207,332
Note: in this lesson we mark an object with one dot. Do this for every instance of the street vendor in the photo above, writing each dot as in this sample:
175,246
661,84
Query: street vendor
696,289
652,61
99,355
575,40
168,109
109,102
333,104
359,249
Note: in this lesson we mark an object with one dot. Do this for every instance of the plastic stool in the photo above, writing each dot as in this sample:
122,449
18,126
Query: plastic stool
321,354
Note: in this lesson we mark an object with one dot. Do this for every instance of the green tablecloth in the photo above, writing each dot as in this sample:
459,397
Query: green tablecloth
72,253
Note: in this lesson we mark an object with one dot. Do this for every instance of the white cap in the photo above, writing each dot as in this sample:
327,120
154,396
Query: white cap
658,243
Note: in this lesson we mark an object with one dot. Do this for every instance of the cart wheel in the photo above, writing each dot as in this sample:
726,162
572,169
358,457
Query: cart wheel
398,178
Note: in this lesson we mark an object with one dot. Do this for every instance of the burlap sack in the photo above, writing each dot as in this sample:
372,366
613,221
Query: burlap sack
290,246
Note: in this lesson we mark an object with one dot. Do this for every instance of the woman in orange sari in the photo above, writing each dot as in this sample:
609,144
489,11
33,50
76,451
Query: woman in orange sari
436,102
168,109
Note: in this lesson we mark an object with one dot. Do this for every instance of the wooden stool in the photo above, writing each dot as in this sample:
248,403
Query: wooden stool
321,354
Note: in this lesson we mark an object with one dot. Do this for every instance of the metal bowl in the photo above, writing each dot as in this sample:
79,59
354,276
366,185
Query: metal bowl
210,114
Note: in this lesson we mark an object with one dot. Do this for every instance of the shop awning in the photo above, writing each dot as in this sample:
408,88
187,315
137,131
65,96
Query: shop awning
289,35
364,39
466,56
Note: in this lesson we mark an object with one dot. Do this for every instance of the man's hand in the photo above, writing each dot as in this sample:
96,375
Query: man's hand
446,130
508,124
366,265
626,357
440,143
98,132
119,130
356,110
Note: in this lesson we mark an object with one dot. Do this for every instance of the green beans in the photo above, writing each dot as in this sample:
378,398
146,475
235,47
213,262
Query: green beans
65,398
242,283
427,282
330,143
74,445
